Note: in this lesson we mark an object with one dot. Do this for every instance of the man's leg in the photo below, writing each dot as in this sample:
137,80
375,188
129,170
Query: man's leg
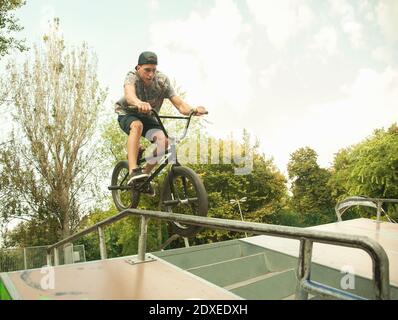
161,142
136,128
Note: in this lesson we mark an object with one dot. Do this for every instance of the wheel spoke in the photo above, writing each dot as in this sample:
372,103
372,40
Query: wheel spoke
184,193
184,185
183,197
124,179
124,197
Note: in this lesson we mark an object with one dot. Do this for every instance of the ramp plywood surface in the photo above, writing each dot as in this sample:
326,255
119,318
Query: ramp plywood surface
117,279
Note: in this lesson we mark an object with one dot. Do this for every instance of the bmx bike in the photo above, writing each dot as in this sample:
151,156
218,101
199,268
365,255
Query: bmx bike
182,190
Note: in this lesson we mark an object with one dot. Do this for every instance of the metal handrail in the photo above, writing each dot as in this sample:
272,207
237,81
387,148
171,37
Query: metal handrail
376,203
306,236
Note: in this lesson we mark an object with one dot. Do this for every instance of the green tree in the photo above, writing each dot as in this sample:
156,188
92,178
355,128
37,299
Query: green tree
312,195
34,232
263,185
49,167
9,25
369,168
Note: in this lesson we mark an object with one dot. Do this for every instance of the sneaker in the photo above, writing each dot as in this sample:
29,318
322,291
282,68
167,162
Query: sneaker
136,175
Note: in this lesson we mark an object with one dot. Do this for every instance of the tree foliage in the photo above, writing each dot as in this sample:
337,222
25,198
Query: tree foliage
369,168
34,232
9,25
263,185
49,166
311,191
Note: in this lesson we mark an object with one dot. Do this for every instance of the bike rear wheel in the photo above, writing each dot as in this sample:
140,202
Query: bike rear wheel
127,197
183,192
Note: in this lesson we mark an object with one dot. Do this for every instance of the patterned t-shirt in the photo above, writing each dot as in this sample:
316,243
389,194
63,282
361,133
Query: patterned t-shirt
159,89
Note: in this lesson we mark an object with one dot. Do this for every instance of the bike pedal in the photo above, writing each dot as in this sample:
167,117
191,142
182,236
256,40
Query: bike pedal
152,194
150,191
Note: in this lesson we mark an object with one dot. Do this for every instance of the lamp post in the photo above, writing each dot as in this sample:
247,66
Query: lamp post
233,201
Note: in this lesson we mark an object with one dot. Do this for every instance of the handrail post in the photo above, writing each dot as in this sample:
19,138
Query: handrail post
142,238
56,257
102,244
48,259
304,268
186,242
379,203
381,275
25,262
67,250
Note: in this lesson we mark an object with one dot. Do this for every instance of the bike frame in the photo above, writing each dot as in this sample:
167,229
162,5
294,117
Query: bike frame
170,155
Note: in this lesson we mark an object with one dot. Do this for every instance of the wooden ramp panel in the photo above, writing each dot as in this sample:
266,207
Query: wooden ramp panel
116,279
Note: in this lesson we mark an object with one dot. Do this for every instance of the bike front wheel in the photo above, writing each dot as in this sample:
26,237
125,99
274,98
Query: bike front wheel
183,192
125,197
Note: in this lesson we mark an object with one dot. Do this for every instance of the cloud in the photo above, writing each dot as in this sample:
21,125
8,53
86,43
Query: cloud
370,102
387,17
154,5
207,54
384,54
341,7
295,100
282,19
267,74
354,30
366,10
349,23
305,16
325,41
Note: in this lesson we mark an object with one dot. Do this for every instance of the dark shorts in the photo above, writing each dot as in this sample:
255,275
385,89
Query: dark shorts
150,124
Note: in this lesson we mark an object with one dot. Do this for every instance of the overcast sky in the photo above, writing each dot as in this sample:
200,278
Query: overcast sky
298,73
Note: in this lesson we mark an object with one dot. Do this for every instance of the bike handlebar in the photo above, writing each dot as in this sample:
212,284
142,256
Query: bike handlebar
157,115
158,118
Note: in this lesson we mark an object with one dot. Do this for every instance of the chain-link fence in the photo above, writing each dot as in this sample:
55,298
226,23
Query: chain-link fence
36,257
70,254
11,259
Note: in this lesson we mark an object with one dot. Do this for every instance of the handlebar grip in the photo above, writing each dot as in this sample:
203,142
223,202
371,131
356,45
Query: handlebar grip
135,108
196,112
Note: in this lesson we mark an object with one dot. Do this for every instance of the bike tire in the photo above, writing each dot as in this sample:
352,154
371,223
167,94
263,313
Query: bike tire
196,189
123,199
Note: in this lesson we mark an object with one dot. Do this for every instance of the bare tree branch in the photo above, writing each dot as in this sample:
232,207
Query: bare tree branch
57,110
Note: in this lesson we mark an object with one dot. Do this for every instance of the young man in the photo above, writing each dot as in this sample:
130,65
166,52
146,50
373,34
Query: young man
145,89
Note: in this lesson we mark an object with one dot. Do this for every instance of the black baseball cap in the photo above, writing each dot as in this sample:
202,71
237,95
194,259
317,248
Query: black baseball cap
147,57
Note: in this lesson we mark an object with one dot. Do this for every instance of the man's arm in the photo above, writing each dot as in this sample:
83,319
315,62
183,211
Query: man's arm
132,99
184,107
